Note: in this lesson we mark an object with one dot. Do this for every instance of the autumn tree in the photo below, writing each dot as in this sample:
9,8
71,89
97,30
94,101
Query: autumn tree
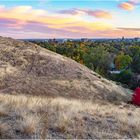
122,61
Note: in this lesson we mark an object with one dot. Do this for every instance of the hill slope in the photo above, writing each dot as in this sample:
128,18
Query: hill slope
28,69
46,95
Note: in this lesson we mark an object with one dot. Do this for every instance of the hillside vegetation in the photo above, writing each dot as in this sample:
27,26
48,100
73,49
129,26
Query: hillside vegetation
46,95
104,56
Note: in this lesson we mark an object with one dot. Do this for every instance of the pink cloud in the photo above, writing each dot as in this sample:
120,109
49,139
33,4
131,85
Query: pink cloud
135,1
69,11
35,29
129,29
99,14
95,13
129,5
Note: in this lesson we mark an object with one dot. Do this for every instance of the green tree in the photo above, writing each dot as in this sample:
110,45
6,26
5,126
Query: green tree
98,59
122,61
134,52
125,77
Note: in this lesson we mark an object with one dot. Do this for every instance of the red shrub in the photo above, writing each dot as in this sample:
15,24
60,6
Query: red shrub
136,96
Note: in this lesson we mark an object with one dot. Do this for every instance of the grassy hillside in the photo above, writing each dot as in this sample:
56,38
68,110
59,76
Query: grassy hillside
29,69
36,117
46,95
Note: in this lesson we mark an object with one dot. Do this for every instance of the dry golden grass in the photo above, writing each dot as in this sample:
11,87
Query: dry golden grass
37,117
45,95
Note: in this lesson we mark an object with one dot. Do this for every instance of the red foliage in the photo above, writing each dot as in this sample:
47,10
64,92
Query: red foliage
136,97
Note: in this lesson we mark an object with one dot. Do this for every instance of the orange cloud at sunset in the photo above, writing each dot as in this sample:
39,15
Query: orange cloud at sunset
28,10
127,6
24,14
67,23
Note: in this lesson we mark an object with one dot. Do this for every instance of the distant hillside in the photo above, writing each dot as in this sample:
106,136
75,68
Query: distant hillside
45,95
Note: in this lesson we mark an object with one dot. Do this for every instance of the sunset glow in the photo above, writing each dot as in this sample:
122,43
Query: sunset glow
69,19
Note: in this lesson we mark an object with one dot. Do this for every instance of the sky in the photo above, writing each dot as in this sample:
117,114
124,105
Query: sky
22,19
